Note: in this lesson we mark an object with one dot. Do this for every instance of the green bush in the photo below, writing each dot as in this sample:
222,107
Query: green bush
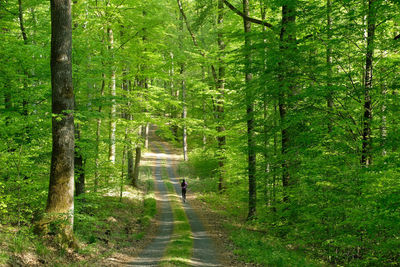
202,163
262,250
3,205
150,207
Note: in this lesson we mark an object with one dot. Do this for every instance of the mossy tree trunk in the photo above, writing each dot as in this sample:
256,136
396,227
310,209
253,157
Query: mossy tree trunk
60,202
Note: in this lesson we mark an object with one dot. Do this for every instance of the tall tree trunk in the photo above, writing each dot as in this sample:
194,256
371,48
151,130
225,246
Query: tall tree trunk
21,22
204,139
131,167
174,94
146,141
25,38
287,44
366,154
121,189
113,125
60,201
250,115
329,99
184,115
383,118
79,165
98,135
265,117
221,139
138,155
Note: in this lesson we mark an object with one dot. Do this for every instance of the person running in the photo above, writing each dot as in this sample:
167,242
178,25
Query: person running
184,186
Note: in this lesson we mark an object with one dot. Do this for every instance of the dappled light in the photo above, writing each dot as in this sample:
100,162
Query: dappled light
199,133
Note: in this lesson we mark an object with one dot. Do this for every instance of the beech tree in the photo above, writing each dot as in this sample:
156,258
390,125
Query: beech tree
60,202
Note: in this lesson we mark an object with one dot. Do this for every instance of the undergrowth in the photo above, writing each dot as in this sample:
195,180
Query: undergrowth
252,242
103,224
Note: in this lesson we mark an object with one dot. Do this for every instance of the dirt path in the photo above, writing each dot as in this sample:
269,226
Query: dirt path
203,248
151,255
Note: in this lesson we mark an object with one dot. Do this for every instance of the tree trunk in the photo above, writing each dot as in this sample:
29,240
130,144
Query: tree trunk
121,189
21,22
329,99
113,125
98,132
174,94
265,118
184,115
135,175
131,168
25,38
204,139
250,115
221,139
60,201
79,165
287,44
366,154
146,141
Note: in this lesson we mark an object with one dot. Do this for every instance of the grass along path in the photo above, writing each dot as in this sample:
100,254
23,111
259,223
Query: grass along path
204,252
179,250
154,251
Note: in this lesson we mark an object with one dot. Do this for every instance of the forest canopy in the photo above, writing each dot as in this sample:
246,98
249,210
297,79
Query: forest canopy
290,106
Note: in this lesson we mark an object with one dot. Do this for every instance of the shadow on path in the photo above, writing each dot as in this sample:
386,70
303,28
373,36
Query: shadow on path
153,253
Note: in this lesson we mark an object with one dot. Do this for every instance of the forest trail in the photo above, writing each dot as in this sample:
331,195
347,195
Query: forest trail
203,251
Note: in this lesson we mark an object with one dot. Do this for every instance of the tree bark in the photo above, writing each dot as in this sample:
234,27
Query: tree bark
366,154
287,44
138,154
98,134
60,201
146,141
267,160
131,168
329,99
21,22
184,115
25,38
221,139
250,115
79,165
113,125
174,94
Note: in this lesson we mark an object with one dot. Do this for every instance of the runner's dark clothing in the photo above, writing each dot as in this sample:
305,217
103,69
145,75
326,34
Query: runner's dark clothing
184,187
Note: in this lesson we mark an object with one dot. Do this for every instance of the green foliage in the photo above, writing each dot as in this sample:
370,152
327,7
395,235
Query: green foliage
3,205
261,249
334,209
202,163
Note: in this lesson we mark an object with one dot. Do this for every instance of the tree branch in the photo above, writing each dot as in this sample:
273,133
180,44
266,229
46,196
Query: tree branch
397,37
196,44
188,27
240,13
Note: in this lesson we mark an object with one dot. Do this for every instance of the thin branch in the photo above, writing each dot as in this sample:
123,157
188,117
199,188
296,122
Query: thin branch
240,13
124,43
196,44
188,27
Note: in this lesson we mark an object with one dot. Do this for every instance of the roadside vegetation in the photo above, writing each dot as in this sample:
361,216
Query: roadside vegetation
104,224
